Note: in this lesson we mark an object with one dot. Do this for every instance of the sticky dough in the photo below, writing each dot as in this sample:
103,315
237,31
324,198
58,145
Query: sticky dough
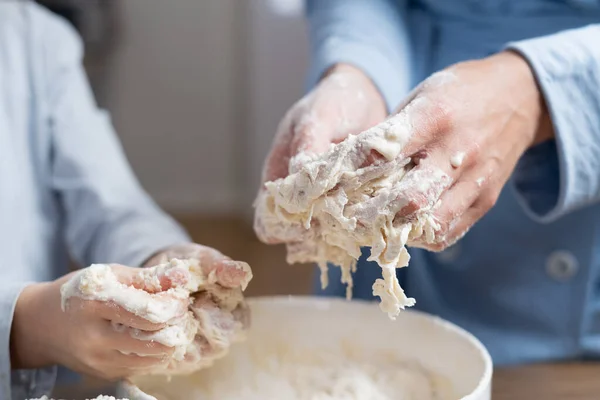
190,329
330,206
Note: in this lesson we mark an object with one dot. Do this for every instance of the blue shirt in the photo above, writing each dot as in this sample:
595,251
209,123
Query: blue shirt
65,185
526,278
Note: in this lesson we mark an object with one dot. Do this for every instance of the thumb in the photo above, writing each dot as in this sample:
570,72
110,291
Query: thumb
276,163
302,129
312,133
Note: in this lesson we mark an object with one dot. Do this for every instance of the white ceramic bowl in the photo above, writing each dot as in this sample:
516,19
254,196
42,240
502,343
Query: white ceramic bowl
309,324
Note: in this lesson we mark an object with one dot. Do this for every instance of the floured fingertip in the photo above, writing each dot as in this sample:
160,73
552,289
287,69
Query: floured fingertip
232,274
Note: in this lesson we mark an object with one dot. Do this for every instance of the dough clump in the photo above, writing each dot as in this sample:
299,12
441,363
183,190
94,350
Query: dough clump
202,317
332,204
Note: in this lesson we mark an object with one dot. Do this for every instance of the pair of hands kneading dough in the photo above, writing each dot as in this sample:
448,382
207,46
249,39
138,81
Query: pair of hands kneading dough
177,315
341,176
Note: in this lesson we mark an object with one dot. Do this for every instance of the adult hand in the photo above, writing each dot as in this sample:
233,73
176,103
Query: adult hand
464,128
344,102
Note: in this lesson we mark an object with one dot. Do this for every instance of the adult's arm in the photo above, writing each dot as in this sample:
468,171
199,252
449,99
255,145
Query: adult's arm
567,68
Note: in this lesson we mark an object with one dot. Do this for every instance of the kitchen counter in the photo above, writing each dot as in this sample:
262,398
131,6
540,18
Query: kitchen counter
573,381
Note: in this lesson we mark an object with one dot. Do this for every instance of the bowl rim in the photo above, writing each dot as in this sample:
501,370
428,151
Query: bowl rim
485,381
481,389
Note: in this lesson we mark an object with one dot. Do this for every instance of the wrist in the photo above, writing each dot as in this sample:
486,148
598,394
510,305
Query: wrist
353,77
534,102
545,129
28,333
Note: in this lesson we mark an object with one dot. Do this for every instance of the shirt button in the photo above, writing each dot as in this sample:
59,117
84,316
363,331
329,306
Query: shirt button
561,265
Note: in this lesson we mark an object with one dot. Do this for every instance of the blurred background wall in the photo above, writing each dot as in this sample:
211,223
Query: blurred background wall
195,88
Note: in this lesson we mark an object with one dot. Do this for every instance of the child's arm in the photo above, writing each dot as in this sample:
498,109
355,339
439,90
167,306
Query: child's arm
108,215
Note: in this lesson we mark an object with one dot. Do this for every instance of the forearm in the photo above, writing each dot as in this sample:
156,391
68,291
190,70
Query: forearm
27,346
18,378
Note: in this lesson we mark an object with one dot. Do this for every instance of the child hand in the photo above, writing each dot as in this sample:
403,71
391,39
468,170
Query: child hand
83,337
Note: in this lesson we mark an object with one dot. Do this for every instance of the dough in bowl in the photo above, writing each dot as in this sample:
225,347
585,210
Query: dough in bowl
330,349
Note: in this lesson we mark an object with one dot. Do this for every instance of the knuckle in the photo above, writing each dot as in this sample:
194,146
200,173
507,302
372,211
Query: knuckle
442,115
95,361
94,340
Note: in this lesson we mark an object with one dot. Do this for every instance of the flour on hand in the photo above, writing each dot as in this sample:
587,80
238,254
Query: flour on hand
457,159
198,341
331,205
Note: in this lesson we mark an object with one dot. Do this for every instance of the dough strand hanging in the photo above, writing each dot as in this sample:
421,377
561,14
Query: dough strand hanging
330,205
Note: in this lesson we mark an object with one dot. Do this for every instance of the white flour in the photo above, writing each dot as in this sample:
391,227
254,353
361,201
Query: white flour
331,205
199,331
457,159
98,282
302,375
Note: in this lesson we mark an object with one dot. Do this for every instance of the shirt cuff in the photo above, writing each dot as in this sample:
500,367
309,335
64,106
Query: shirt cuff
18,384
567,68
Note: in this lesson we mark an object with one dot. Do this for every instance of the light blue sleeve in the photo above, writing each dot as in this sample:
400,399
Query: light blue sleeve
370,35
564,175
108,216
